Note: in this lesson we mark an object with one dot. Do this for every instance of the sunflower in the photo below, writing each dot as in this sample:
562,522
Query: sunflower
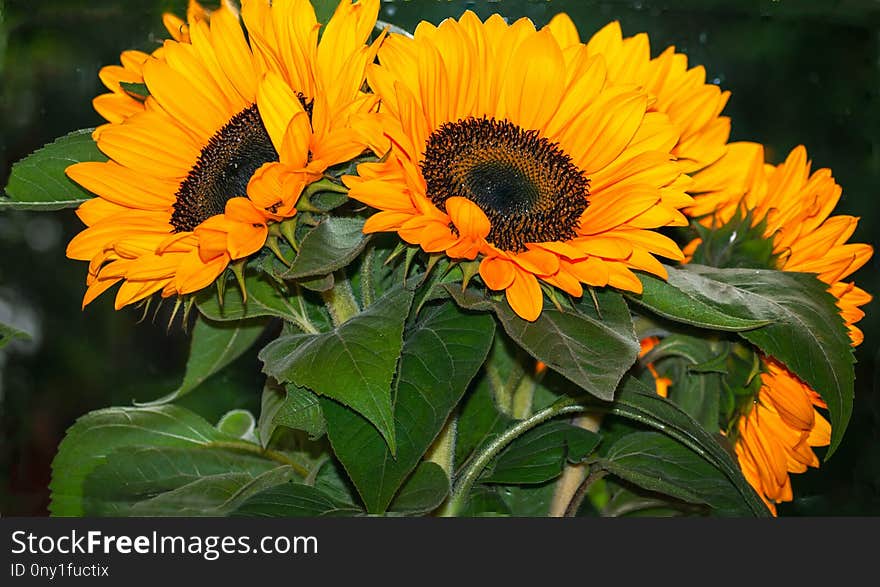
507,146
789,208
233,128
693,106
777,436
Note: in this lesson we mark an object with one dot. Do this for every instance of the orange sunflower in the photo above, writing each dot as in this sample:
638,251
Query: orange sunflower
508,146
693,106
790,207
235,125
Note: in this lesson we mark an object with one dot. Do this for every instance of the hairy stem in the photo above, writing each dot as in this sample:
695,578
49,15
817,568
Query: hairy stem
340,300
442,451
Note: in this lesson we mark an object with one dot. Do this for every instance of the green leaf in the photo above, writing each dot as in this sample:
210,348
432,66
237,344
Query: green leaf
238,423
292,407
637,402
8,334
592,352
38,181
658,463
173,481
353,364
214,346
540,454
333,244
94,436
689,298
808,334
443,349
293,500
264,298
423,492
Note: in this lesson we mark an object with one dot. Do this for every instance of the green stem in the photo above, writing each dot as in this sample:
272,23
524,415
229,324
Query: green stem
368,293
274,455
442,451
463,486
340,300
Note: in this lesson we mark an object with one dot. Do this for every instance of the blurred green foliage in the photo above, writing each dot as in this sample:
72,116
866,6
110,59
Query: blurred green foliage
800,71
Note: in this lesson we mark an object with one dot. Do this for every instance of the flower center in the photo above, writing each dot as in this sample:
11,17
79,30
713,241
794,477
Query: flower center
529,189
223,169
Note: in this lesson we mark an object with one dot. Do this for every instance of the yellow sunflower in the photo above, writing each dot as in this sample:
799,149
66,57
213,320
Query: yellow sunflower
509,146
233,128
790,207
693,106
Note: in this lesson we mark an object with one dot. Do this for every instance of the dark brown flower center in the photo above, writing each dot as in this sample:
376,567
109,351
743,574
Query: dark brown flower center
223,169
529,189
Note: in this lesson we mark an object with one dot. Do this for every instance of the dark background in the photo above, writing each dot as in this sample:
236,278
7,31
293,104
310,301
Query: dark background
800,71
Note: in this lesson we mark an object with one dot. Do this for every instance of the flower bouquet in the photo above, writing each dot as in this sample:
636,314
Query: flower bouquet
489,268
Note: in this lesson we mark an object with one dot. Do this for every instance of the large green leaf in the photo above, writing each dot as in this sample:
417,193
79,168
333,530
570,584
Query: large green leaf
637,402
805,331
692,299
331,245
176,481
95,436
540,454
808,336
289,406
38,181
294,500
214,345
354,363
442,352
658,463
592,344
423,492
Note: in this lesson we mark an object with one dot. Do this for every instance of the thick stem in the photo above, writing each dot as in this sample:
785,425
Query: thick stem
462,487
442,451
340,300
573,475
